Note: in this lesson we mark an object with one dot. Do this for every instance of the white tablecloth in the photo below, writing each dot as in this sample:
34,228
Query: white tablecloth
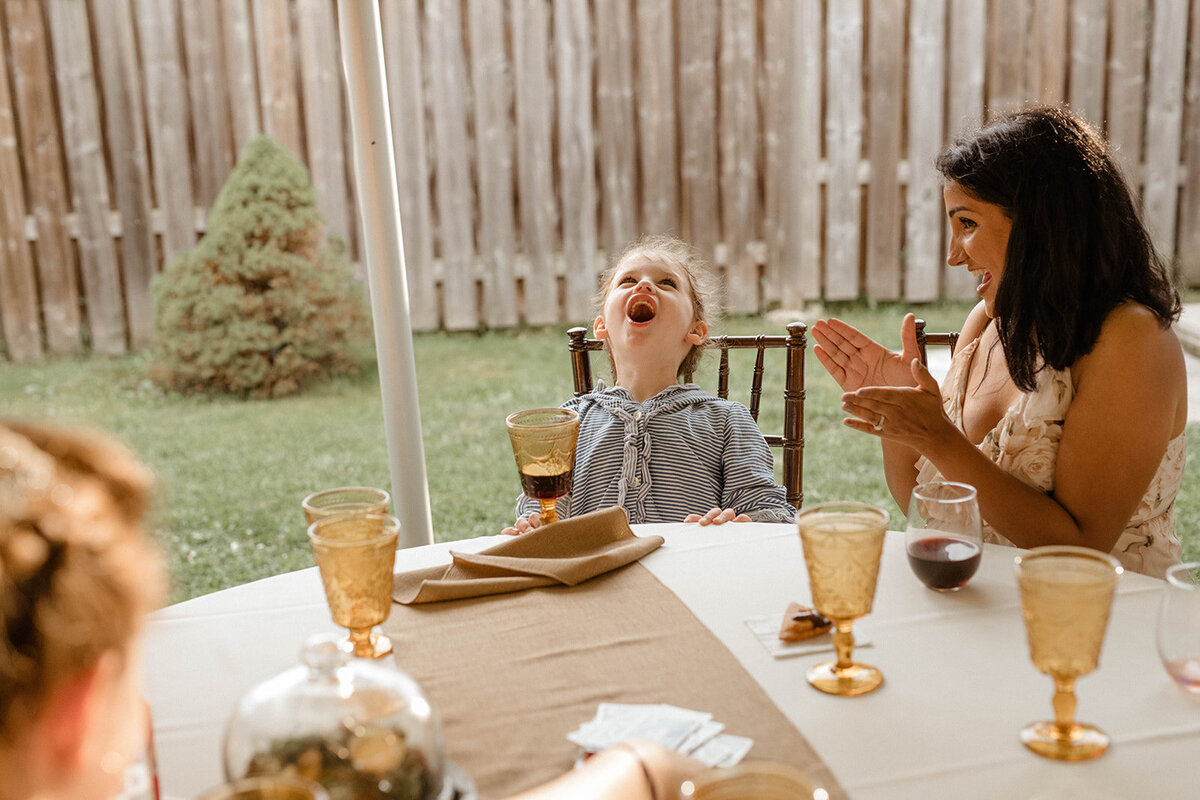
958,680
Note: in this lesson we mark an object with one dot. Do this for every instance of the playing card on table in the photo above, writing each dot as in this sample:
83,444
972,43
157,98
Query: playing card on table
666,725
701,735
724,750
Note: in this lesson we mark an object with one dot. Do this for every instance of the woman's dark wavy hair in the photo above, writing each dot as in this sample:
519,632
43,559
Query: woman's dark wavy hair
1078,247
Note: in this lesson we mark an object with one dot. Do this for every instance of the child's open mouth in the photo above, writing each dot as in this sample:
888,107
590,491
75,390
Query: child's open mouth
640,309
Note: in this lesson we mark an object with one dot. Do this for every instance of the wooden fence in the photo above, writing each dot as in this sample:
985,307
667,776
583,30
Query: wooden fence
791,140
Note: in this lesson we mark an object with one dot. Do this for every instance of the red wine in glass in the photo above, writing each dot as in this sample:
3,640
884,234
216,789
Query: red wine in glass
944,562
545,487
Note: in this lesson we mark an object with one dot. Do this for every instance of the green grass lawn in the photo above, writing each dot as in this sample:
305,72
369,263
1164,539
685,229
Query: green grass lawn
233,472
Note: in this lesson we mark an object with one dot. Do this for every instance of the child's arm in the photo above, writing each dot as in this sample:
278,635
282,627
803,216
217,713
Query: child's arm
749,486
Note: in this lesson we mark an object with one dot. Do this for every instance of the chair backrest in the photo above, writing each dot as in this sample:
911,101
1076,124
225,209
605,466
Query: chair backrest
791,441
949,339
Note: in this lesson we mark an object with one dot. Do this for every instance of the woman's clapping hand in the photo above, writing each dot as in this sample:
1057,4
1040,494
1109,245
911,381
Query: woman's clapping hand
856,360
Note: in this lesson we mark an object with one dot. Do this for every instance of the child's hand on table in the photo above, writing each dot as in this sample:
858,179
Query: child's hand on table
523,524
717,516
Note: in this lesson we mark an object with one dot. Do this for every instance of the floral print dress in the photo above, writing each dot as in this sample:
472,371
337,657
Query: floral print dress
1025,444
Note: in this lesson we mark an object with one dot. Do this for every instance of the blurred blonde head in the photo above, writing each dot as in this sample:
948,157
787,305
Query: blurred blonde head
77,579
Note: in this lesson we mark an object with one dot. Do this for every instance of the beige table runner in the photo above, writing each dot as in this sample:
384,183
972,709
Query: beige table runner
513,674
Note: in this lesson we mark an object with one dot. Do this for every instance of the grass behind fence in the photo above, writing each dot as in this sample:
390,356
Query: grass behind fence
233,472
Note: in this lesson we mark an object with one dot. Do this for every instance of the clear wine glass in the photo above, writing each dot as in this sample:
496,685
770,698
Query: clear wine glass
1179,625
944,534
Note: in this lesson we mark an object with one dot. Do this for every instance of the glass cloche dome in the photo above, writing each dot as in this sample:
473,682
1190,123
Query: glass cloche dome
363,730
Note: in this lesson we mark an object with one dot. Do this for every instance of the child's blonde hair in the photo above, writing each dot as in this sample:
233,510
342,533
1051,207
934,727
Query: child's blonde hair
77,573
701,284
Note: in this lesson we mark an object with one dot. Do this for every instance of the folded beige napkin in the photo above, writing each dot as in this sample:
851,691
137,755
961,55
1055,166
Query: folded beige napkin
567,552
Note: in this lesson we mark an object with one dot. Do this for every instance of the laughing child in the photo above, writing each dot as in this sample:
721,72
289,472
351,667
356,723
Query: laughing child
663,451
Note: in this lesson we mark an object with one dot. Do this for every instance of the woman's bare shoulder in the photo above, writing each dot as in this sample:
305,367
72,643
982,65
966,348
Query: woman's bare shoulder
1133,336
973,325
1133,326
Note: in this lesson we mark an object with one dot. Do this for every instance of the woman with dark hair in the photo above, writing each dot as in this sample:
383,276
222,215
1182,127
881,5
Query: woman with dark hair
1066,400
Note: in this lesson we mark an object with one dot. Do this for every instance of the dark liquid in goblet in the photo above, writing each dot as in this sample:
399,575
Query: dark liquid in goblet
546,487
944,563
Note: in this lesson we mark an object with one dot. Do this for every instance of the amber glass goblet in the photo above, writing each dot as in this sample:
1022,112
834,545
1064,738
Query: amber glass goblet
543,442
1066,594
751,780
355,554
346,498
842,544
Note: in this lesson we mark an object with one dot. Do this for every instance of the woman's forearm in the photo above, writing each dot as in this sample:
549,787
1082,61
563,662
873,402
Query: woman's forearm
900,470
1017,511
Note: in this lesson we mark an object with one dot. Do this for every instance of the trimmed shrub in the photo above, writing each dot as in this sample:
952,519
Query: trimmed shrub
258,307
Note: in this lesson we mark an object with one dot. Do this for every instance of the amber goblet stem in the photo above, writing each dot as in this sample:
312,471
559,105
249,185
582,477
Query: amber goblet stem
1064,706
363,646
549,512
843,643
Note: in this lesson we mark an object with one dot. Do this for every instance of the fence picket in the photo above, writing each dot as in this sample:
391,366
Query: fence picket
576,154
1007,29
614,118
1048,55
125,126
168,123
324,122
1089,39
241,73
658,161
968,49
206,87
88,178
843,147
18,284
276,77
42,153
802,276
406,87
491,84
453,192
773,99
738,125
884,112
967,26
534,119
1189,213
926,73
1164,116
1127,85
698,159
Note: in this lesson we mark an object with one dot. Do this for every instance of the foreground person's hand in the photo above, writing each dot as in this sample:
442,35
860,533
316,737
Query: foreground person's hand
523,524
633,770
717,516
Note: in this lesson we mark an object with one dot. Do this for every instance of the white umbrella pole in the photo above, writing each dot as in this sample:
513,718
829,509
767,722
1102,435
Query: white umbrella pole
382,246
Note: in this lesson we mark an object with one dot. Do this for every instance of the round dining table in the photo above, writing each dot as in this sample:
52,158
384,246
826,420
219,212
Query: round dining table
958,686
